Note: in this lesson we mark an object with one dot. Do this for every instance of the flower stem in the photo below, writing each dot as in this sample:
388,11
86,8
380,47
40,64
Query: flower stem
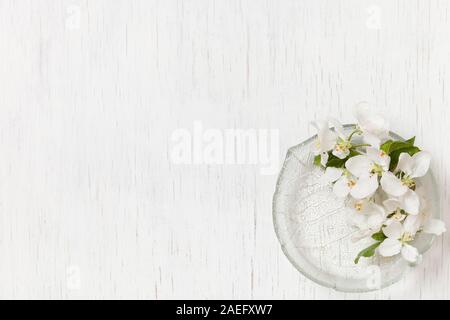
356,131
361,145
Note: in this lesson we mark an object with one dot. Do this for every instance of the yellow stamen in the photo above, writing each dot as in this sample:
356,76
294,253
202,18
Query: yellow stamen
351,183
406,237
409,182
398,215
376,169
359,206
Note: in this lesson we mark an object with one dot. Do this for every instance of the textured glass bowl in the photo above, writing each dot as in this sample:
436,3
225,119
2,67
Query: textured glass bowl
311,225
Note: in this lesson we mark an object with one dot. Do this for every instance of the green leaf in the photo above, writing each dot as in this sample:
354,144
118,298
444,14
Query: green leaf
411,141
379,236
391,145
385,146
367,252
336,163
398,145
353,153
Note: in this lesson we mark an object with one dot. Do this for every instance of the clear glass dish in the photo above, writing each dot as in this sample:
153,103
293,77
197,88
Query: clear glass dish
311,225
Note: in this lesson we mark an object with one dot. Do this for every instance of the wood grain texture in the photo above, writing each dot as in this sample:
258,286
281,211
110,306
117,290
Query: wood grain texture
91,205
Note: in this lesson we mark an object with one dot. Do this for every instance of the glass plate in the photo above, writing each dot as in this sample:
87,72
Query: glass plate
311,225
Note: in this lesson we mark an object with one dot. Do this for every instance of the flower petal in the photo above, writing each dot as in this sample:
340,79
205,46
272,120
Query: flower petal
434,226
365,187
371,139
326,139
412,224
392,185
409,253
337,127
410,202
405,163
421,165
373,208
315,147
332,174
359,165
341,153
370,121
375,221
389,247
394,230
341,187
358,220
391,205
324,158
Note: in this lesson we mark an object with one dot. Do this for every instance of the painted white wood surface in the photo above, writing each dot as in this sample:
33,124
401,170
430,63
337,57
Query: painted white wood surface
91,205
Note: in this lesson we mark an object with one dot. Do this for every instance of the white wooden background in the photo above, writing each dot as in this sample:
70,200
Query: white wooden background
91,205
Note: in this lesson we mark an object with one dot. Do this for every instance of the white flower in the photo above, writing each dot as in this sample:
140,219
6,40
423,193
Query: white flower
329,140
409,202
374,127
400,185
342,178
342,146
416,166
376,160
398,237
360,179
325,142
394,210
367,216
423,221
345,183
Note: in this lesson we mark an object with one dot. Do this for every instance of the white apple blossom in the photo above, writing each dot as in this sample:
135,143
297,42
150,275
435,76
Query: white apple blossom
342,145
374,127
367,216
325,141
398,238
423,221
401,185
346,183
414,167
394,210
400,235
408,169
329,140
360,178
409,202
